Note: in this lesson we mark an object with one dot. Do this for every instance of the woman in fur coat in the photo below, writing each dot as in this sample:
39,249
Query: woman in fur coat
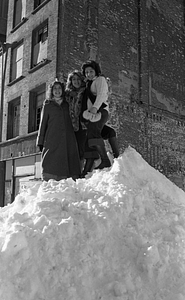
74,91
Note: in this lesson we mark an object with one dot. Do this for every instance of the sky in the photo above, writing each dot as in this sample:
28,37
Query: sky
118,234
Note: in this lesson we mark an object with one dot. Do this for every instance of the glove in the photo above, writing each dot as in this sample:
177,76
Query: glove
40,147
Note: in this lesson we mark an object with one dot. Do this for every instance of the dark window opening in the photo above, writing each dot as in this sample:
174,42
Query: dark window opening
13,118
19,12
37,97
37,3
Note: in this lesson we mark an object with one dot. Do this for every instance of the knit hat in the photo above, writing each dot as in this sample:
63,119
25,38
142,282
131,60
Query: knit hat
93,64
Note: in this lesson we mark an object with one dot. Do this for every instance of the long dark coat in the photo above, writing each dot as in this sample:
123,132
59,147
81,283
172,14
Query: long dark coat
60,153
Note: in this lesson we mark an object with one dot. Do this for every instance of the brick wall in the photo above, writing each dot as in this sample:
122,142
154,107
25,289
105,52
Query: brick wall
163,84
71,35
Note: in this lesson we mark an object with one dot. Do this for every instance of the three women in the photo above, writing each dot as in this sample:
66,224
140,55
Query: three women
83,116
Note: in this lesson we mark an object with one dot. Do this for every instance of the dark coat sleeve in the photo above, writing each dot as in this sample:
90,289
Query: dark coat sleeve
43,126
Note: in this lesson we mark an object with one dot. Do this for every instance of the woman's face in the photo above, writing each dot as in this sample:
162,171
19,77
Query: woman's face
76,81
90,73
57,90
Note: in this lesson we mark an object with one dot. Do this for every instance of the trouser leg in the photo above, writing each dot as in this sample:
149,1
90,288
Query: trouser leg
114,145
81,136
108,133
90,156
99,145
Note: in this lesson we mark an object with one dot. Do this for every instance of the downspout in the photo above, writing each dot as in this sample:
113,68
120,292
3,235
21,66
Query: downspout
139,53
4,48
13,180
57,46
59,63
2,90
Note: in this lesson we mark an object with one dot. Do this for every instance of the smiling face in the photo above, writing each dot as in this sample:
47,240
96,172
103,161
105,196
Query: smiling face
57,91
76,81
90,73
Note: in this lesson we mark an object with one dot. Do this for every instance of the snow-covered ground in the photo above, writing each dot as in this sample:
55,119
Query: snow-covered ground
118,234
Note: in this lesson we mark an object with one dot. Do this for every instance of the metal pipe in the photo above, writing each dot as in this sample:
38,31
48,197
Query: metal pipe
139,52
2,89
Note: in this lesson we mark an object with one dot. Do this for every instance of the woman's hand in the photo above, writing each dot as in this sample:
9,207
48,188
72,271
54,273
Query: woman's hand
93,110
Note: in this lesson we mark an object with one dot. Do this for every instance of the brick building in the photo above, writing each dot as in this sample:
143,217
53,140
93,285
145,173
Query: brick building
140,45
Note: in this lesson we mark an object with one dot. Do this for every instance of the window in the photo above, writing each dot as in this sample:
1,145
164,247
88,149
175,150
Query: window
8,190
37,3
40,43
19,11
13,118
3,9
37,96
16,62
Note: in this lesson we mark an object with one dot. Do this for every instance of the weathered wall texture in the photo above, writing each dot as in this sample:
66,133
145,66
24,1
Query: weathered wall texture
140,46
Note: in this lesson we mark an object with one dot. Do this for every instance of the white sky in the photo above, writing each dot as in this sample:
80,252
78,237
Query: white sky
118,234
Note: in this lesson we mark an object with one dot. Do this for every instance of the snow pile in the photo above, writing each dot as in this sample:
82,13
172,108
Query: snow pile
119,234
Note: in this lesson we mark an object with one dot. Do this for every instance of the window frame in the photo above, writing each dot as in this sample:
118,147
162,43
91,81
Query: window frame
13,131
3,9
33,124
23,14
36,3
37,40
18,45
36,7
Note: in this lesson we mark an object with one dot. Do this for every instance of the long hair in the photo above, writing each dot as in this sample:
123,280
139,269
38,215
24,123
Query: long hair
93,64
69,85
49,94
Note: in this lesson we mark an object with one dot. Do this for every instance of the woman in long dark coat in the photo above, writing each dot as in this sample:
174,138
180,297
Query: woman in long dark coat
56,138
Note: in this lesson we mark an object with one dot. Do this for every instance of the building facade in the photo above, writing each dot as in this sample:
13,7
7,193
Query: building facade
140,45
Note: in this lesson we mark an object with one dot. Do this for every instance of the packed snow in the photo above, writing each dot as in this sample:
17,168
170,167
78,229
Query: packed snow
117,234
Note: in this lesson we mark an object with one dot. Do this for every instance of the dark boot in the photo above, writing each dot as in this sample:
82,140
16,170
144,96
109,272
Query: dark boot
87,167
99,145
114,145
90,155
